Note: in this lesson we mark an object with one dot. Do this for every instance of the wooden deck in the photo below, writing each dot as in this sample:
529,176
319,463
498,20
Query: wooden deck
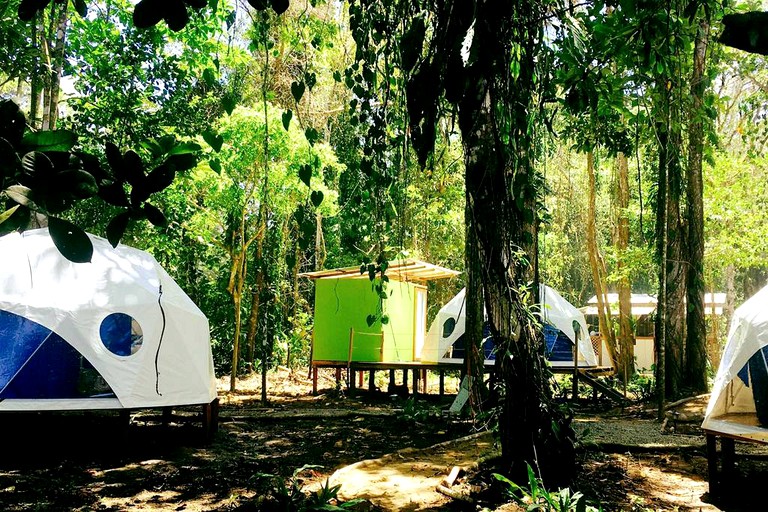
355,371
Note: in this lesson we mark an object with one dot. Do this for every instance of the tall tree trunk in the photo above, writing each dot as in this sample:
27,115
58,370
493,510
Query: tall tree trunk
474,318
676,272
597,265
695,347
36,85
502,189
257,291
235,289
626,336
57,63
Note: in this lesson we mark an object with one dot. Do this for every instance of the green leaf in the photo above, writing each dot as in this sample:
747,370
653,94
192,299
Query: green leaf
117,226
370,320
54,140
114,194
316,197
305,174
213,139
36,165
8,213
77,184
154,215
160,178
297,90
146,15
21,195
312,135
81,8
310,79
185,148
287,116
337,76
209,76
228,103
384,318
181,163
71,241
132,169
215,165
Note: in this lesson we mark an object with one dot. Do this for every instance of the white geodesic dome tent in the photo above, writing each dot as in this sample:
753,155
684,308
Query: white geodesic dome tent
739,402
448,326
117,332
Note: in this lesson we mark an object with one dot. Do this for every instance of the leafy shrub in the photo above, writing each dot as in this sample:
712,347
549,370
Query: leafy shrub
536,496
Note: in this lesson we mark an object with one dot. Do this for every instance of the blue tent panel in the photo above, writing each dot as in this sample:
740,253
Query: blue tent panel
559,346
35,363
758,373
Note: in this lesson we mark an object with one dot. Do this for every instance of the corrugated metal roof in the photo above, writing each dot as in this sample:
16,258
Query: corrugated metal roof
410,270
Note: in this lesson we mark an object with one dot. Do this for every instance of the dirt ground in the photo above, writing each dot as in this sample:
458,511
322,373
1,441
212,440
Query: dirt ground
92,461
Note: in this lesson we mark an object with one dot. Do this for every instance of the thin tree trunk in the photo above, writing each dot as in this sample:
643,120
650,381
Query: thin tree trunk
57,63
597,265
474,318
236,290
36,85
696,354
626,336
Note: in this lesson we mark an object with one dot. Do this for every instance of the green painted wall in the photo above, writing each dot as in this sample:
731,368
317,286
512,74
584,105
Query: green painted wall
398,334
341,304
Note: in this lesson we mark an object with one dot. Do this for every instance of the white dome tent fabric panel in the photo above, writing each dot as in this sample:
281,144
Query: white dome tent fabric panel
740,384
556,311
73,299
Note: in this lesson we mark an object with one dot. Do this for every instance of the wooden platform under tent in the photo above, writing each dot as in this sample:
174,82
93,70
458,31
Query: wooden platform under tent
353,373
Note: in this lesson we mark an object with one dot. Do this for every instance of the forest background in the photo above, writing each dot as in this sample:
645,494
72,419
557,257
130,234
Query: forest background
302,158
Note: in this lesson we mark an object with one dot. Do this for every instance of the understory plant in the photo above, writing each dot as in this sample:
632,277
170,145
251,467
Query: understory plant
288,495
536,497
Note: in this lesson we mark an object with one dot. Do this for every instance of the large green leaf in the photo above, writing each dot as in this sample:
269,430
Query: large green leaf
305,174
213,139
54,140
185,148
154,215
21,195
114,194
37,165
316,197
71,241
76,184
8,213
160,178
181,163
297,90
287,116
117,226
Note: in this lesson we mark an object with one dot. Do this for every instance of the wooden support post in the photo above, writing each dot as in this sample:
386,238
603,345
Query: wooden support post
338,375
167,415
210,419
350,372
714,483
352,381
392,381
371,380
415,382
575,388
728,467
442,382
405,379
424,380
314,380
360,379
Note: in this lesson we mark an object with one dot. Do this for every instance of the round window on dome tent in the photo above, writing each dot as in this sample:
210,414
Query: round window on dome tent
121,334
